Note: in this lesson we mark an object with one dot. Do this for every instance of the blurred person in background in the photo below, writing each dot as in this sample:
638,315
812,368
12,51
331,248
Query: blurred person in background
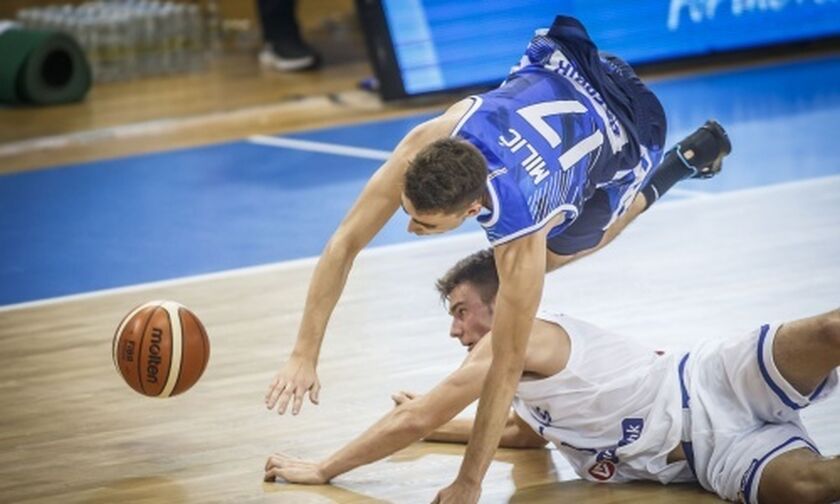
284,49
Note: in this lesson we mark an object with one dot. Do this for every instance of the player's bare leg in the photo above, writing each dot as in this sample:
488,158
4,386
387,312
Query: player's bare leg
800,476
806,351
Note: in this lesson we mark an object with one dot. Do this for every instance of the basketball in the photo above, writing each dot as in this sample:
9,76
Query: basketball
161,349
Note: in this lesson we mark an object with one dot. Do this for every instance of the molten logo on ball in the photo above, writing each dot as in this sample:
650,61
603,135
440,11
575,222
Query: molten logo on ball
154,356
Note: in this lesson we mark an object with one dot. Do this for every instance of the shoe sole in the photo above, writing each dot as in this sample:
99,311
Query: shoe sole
719,133
716,129
286,65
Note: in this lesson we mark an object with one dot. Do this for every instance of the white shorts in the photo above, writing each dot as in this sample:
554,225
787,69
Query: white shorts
740,413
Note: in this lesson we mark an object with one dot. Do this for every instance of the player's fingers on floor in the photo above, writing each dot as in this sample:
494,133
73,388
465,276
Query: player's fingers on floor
272,474
313,392
275,460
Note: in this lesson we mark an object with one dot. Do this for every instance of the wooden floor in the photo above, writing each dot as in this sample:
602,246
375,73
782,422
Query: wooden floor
72,431
233,99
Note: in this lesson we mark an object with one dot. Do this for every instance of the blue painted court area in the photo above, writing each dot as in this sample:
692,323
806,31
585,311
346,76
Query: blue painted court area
138,219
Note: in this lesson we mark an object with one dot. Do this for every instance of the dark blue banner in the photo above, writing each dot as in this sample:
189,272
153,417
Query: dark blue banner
443,44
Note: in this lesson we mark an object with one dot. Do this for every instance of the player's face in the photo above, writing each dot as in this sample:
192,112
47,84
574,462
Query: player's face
471,316
431,223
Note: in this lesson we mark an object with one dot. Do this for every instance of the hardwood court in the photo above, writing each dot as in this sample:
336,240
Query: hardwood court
74,432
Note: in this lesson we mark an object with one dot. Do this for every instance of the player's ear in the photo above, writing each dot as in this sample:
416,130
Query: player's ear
474,209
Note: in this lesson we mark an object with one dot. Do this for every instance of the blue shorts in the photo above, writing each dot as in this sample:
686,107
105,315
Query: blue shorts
642,116
610,200
605,205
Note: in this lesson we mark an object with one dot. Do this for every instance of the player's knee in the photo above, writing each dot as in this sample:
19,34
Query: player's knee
813,487
828,330
805,485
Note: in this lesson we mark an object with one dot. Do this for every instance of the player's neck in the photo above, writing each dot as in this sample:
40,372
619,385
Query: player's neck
486,201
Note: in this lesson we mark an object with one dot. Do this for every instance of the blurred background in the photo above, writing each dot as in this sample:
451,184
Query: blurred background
206,61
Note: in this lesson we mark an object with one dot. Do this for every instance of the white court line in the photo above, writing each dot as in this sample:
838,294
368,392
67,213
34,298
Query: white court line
89,136
132,130
817,183
381,155
323,147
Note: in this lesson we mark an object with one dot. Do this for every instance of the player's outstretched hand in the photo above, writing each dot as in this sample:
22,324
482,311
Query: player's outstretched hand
458,493
294,380
293,470
402,397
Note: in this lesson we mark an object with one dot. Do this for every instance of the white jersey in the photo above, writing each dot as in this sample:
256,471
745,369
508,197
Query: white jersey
614,411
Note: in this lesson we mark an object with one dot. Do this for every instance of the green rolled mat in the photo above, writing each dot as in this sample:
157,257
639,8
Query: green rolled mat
41,67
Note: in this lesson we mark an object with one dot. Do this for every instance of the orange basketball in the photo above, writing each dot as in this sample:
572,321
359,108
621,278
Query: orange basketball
161,349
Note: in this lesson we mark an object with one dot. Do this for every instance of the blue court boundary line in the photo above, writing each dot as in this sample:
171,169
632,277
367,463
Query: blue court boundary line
375,154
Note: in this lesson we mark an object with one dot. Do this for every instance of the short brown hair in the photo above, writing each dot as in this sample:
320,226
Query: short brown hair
446,175
479,269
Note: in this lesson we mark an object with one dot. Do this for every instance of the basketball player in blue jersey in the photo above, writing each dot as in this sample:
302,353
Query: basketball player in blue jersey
553,164
725,414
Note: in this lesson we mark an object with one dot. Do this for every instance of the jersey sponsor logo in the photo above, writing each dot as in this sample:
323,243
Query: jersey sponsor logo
543,417
608,454
606,460
631,430
602,471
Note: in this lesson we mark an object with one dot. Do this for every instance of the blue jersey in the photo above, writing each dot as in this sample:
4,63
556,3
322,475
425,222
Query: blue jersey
550,140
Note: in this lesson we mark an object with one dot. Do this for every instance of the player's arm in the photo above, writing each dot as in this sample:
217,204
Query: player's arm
520,264
516,434
379,200
402,426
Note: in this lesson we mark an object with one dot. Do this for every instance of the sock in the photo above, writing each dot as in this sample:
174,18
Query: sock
671,170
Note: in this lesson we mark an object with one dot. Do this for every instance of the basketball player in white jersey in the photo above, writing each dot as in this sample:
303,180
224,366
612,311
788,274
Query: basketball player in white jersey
724,414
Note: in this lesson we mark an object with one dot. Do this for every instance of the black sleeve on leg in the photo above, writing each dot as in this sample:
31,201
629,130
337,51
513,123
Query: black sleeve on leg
670,171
